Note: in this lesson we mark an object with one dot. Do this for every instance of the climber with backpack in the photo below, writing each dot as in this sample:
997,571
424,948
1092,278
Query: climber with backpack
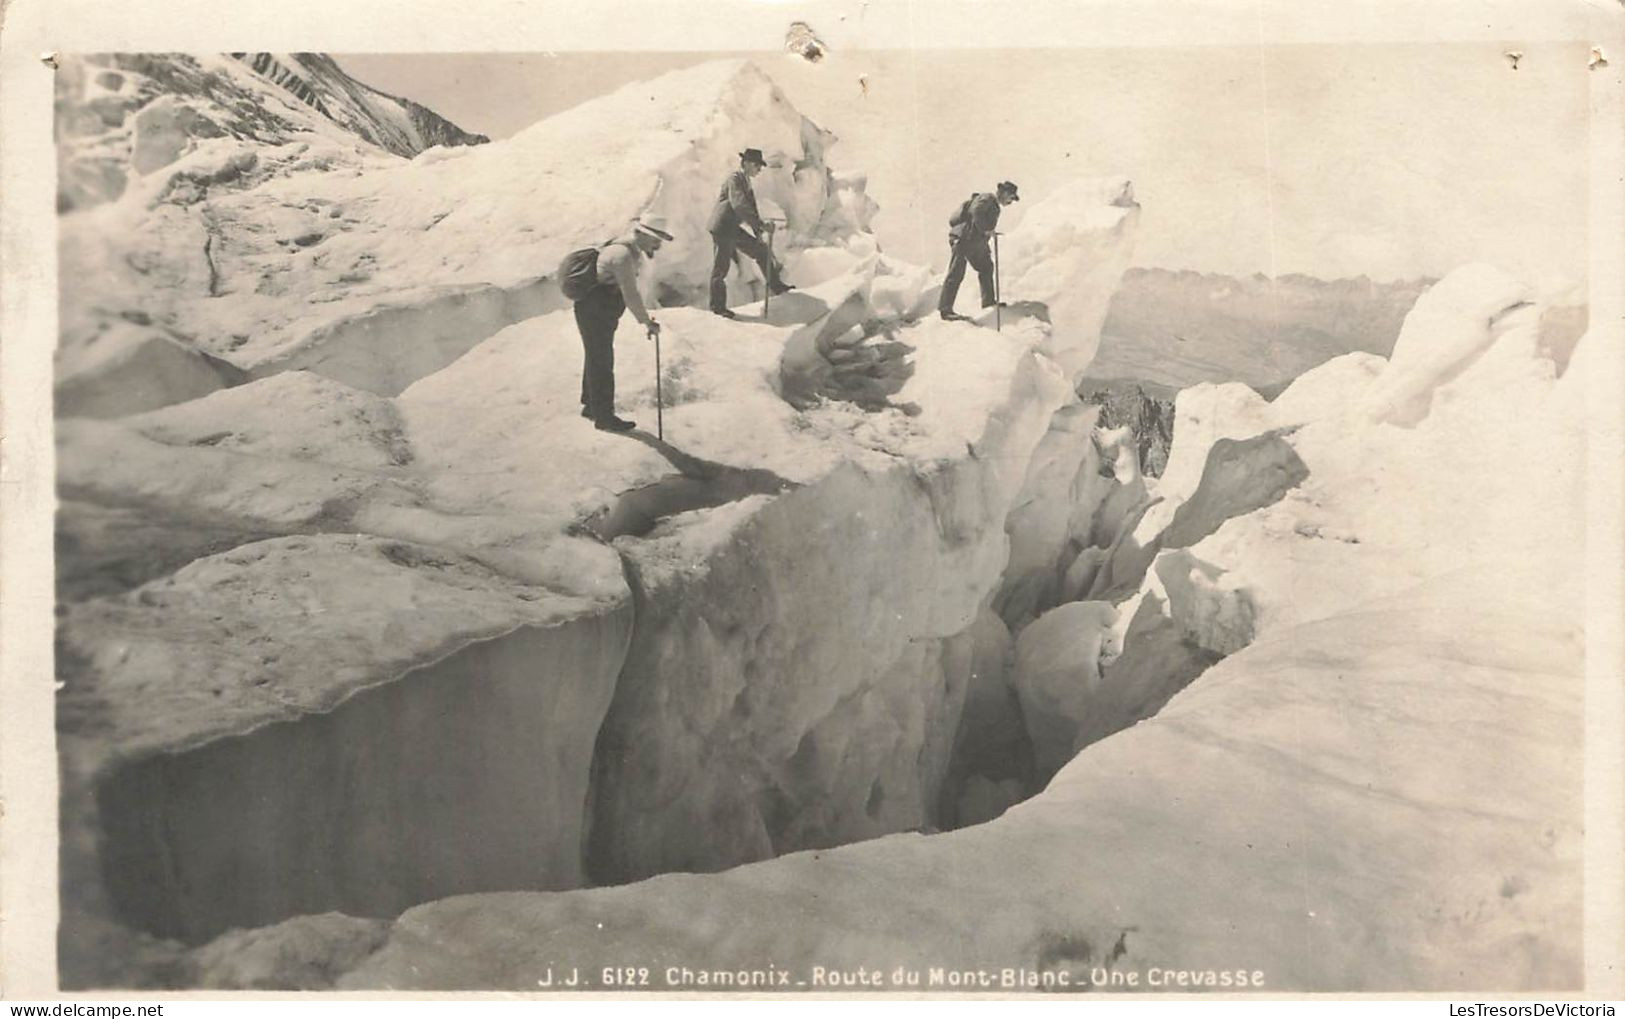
603,283
969,229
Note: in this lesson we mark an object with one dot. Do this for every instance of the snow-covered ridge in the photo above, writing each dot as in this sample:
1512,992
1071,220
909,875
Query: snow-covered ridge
377,273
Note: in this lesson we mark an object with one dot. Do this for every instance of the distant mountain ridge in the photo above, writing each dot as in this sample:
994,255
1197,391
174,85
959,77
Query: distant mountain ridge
1180,327
390,122
123,115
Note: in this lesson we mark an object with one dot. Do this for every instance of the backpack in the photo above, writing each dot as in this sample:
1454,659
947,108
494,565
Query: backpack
578,273
963,215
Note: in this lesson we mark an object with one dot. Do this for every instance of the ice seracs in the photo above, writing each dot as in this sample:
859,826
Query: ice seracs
378,271
1067,253
1444,334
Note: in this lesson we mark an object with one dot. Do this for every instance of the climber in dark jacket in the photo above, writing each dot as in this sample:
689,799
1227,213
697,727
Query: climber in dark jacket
968,234
735,210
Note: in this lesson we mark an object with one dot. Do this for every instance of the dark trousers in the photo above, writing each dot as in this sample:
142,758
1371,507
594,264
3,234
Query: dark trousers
977,255
597,314
726,244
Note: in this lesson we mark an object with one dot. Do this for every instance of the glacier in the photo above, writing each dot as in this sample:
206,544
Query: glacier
383,669
1377,787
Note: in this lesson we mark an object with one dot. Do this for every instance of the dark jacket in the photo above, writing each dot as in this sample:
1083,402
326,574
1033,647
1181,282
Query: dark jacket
736,205
978,225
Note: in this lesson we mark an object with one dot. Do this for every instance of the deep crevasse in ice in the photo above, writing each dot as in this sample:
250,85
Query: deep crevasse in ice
384,595
377,589
1378,789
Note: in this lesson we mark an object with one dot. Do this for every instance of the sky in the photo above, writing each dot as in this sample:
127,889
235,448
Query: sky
1389,160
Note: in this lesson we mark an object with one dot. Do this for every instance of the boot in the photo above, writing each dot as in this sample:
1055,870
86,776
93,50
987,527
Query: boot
775,282
614,424
953,316
724,312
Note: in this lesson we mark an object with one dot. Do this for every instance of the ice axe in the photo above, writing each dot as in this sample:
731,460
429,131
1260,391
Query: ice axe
772,227
998,296
660,402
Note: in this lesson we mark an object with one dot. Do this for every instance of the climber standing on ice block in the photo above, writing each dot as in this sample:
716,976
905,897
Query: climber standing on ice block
735,210
611,289
968,231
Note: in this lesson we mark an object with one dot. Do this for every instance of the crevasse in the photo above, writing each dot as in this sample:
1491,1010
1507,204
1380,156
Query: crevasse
420,678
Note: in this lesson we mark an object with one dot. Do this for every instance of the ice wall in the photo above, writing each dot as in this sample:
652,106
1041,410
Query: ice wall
800,687
468,774
1197,576
1306,792
1068,252
321,722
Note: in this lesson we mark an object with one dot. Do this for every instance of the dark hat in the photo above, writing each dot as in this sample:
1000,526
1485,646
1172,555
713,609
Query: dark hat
1008,187
752,156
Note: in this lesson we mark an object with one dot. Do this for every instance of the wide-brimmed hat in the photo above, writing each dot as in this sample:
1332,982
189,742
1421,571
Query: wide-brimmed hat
654,226
1008,187
753,156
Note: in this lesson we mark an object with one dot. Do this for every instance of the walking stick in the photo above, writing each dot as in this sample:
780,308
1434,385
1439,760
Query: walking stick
660,402
998,305
767,285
